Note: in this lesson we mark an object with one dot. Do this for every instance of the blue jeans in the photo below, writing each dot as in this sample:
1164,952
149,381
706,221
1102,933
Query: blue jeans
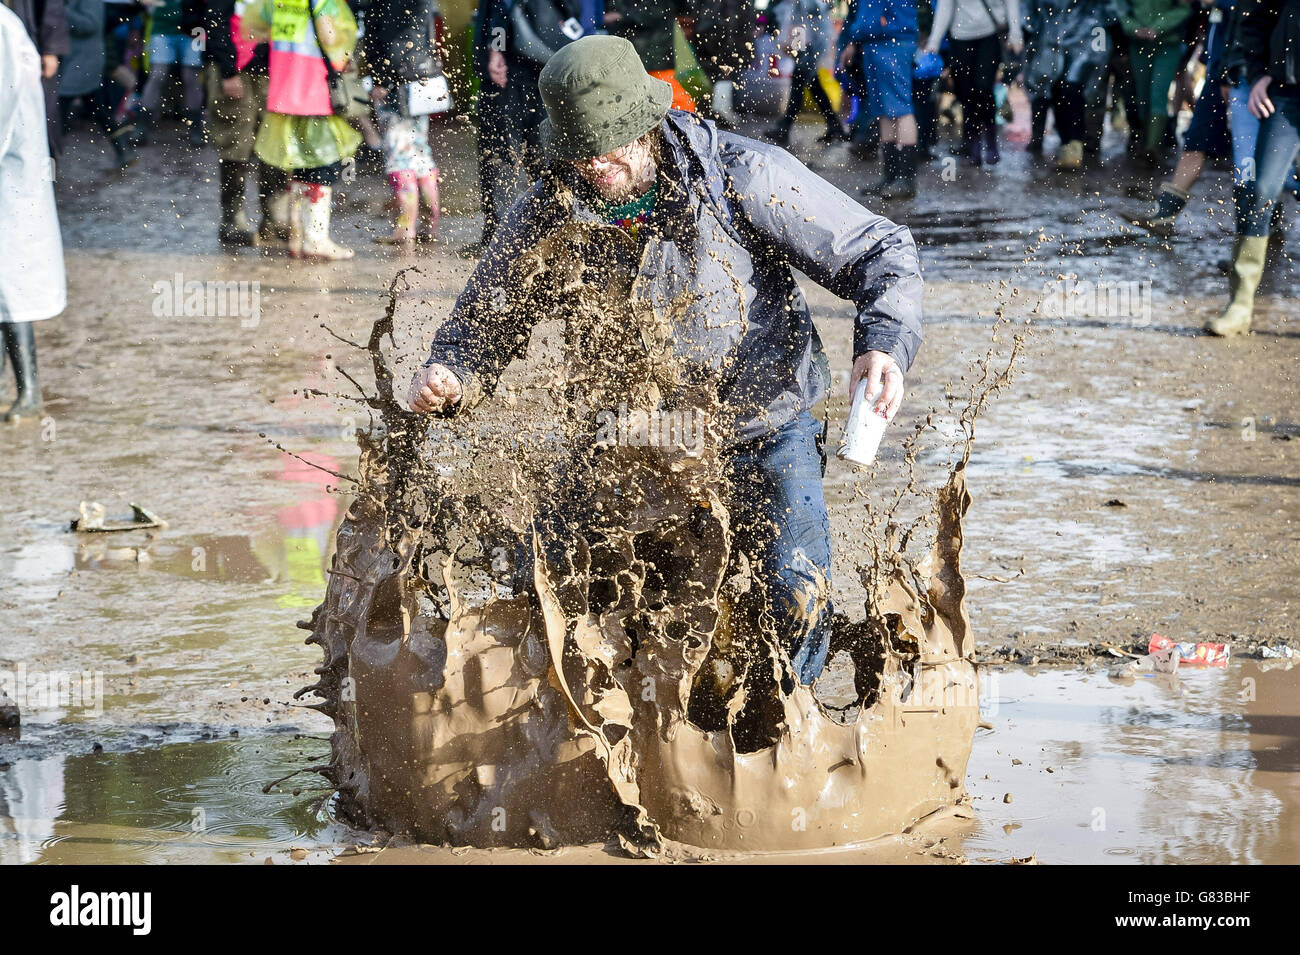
1272,160
779,521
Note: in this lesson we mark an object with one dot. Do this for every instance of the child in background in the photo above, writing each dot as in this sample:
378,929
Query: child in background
300,133
399,49
170,44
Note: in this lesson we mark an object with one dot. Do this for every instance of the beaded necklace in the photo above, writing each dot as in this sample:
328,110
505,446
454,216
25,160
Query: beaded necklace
633,214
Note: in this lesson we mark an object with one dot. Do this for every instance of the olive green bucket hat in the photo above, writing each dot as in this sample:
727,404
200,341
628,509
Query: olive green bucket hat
598,97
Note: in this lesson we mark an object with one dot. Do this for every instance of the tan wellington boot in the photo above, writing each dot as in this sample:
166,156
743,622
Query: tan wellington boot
1070,156
1248,253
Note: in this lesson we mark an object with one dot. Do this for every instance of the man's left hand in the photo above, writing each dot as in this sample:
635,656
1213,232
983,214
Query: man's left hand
884,376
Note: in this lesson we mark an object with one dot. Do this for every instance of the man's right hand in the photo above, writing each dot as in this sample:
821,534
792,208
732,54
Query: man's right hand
434,388
232,87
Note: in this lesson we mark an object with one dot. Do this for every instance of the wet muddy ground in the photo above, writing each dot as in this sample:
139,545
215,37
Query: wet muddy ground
1137,478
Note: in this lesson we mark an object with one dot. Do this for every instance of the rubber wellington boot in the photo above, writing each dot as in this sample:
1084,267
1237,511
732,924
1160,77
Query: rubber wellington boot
273,199
198,134
992,154
234,228
780,133
1248,253
1070,156
904,184
296,214
1038,127
970,145
123,152
143,124
889,159
20,346
316,241
834,132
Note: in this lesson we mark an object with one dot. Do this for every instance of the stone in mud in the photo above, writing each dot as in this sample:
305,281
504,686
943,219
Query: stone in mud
10,718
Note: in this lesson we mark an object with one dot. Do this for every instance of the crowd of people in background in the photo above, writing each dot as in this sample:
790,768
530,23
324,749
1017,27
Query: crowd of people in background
292,93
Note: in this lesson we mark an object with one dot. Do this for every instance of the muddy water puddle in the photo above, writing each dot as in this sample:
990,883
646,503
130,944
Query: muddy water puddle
1196,767
138,801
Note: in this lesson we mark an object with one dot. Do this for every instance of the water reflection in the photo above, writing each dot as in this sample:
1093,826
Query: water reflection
179,803
1197,767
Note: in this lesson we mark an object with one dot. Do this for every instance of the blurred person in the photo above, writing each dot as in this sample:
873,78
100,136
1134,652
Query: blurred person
1243,130
1264,54
46,23
81,77
973,29
650,25
723,39
805,39
885,33
925,77
237,81
123,20
33,286
1155,32
496,138
1206,137
400,48
864,130
299,133
512,40
1066,57
170,26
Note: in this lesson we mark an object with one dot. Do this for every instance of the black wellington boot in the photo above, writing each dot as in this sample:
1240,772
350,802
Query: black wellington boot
1038,127
889,159
273,198
234,228
904,184
20,346
123,152
198,134
143,124
780,133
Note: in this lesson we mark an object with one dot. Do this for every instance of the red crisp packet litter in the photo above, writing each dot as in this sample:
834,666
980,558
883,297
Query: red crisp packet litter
1192,654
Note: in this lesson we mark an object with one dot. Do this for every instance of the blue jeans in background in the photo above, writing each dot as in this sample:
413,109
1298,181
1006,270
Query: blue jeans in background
779,520
1263,156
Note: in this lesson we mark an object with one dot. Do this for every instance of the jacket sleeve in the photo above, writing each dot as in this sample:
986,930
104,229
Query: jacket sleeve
54,30
1256,20
1015,22
526,42
942,21
833,240
490,323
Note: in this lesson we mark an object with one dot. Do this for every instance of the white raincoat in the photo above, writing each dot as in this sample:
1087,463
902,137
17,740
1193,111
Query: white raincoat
32,281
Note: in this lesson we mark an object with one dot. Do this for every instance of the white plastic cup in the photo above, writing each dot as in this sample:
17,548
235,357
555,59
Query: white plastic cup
863,430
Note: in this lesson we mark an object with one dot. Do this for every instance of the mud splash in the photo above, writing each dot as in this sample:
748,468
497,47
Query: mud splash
510,662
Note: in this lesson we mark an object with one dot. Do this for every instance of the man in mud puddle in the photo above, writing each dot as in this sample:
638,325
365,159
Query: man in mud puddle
722,221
